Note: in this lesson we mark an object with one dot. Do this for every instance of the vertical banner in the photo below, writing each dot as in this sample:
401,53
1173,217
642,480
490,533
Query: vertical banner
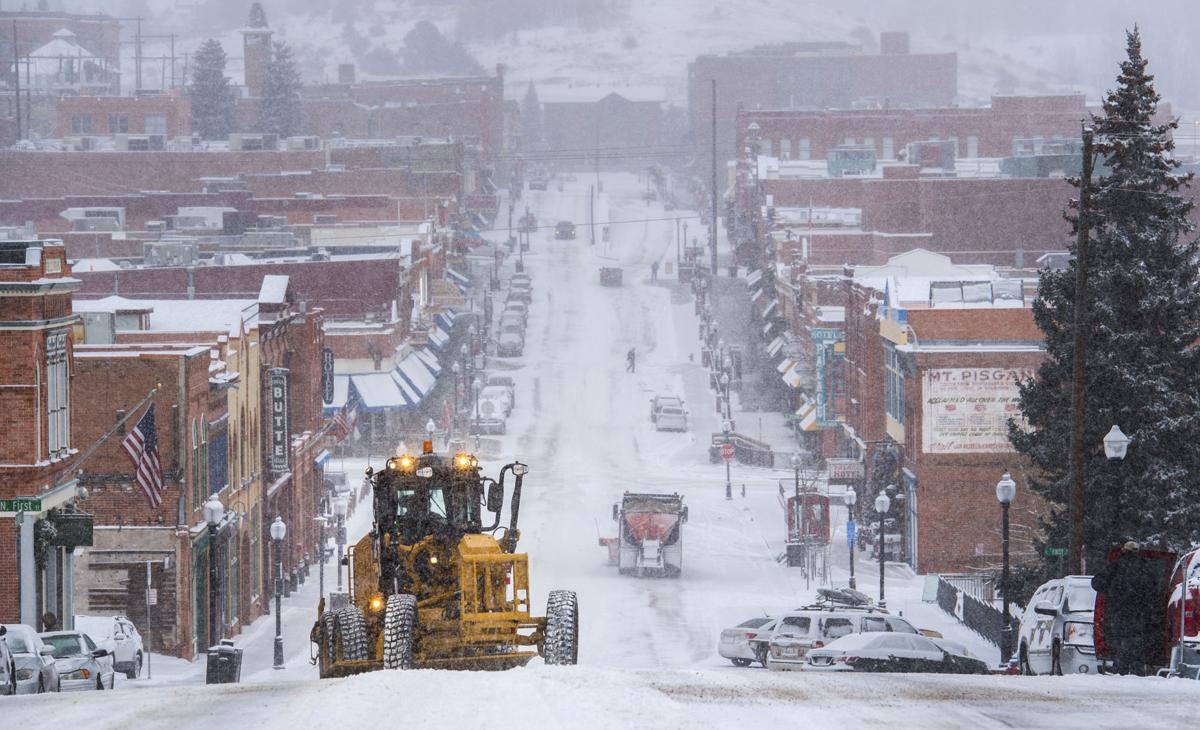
327,376
280,435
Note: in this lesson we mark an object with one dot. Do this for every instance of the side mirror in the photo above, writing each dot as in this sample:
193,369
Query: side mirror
46,651
616,511
3,630
1045,608
495,497
685,514
100,653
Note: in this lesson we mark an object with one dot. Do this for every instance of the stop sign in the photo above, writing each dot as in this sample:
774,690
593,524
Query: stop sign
727,452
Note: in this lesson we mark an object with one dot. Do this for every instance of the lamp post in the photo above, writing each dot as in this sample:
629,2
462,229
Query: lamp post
1006,490
340,505
476,386
851,498
796,468
454,368
726,427
214,513
882,504
725,386
321,521
278,530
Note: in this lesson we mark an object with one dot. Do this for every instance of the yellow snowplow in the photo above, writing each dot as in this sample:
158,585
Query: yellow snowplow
432,586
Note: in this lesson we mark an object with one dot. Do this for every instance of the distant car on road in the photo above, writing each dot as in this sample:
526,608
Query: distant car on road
506,382
121,637
537,184
81,664
499,395
36,671
667,413
1055,633
735,642
564,230
891,652
517,308
8,667
511,340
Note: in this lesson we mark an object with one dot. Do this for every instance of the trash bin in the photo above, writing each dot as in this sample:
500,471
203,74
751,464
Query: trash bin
224,664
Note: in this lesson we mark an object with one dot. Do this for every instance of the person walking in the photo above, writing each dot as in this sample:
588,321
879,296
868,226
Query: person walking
653,271
630,359
1129,590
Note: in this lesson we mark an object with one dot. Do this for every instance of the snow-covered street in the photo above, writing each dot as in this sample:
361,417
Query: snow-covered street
648,647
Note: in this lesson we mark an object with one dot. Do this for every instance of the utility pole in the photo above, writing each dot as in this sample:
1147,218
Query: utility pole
137,75
17,76
713,222
1078,392
592,203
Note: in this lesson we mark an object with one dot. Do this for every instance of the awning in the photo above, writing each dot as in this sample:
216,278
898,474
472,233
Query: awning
414,372
754,297
754,277
792,376
341,390
460,280
408,391
322,457
766,330
445,319
380,393
807,414
438,339
786,365
770,308
776,346
429,360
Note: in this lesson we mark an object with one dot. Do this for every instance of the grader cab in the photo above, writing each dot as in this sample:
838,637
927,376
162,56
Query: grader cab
433,586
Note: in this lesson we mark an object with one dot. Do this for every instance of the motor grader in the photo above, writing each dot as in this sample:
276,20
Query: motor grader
432,586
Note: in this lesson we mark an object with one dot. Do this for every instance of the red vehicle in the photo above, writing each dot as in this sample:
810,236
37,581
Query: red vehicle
650,535
1164,562
807,515
1189,610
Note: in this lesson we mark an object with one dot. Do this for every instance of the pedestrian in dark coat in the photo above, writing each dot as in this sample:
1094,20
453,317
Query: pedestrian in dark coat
630,361
653,271
1130,623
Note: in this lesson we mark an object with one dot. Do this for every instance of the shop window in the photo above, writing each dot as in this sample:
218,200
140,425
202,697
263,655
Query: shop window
895,384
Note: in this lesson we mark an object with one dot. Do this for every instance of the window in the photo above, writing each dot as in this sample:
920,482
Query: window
255,567
836,628
58,421
874,623
81,124
794,626
766,148
803,149
785,149
118,124
197,497
895,384
972,146
869,142
900,626
889,148
156,124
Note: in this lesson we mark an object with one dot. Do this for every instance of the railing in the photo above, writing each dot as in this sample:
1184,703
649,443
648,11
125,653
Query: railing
979,585
746,450
975,614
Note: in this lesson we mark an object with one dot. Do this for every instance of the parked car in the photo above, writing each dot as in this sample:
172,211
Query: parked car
1055,633
735,643
8,667
36,672
506,382
658,402
521,276
517,307
512,318
799,632
81,664
890,652
519,294
121,637
499,395
564,230
537,184
671,418
511,341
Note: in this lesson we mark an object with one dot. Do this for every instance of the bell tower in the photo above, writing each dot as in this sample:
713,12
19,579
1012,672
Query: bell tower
256,50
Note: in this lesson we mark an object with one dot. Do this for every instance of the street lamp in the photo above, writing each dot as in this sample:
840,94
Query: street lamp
796,468
278,530
1115,443
454,368
476,386
725,385
1006,490
882,504
214,514
340,505
726,427
850,499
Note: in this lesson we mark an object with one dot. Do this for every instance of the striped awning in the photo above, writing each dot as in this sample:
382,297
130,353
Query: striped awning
786,365
438,338
776,346
754,277
770,308
807,414
792,376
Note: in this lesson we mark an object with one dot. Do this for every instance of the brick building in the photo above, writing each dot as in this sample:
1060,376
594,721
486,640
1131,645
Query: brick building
612,122
101,34
168,115
815,75
37,448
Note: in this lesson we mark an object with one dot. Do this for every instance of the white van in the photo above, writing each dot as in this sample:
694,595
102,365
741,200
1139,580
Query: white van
1055,635
799,631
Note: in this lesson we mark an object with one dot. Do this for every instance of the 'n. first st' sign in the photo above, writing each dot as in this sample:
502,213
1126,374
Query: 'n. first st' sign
280,435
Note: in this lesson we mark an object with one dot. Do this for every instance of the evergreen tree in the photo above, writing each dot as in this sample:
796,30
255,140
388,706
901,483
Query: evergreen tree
279,110
212,97
531,119
1142,323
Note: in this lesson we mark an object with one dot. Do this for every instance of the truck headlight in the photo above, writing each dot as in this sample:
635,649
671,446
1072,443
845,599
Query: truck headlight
77,674
1078,634
23,674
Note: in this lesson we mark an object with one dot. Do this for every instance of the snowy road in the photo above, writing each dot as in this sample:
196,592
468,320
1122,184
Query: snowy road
647,646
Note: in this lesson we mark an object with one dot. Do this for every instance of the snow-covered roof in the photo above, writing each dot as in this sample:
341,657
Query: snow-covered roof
179,315
274,289
94,265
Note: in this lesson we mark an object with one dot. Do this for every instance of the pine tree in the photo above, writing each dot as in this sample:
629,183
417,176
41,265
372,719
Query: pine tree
212,97
531,119
279,111
1142,323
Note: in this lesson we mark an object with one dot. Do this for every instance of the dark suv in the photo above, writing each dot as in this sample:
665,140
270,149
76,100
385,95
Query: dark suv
564,230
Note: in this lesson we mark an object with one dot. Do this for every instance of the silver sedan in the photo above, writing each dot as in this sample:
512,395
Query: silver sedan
36,671
81,664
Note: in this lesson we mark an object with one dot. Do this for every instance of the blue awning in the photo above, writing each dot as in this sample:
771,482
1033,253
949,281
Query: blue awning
438,339
457,278
429,360
445,319
414,372
379,392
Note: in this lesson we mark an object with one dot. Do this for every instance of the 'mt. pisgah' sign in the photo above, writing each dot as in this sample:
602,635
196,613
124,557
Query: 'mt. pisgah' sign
966,410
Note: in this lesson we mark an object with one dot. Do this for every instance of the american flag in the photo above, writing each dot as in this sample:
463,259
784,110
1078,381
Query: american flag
142,446
346,420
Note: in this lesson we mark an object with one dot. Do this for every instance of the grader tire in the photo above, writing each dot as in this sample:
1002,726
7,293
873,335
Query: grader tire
325,645
351,630
561,645
399,631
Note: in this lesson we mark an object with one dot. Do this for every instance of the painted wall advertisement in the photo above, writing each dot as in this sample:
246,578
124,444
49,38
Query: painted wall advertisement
280,435
967,409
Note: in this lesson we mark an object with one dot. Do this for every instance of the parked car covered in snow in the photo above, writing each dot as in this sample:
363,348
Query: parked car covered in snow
799,632
8,667
81,664
891,652
511,340
36,671
667,413
506,382
735,643
121,638
1055,633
